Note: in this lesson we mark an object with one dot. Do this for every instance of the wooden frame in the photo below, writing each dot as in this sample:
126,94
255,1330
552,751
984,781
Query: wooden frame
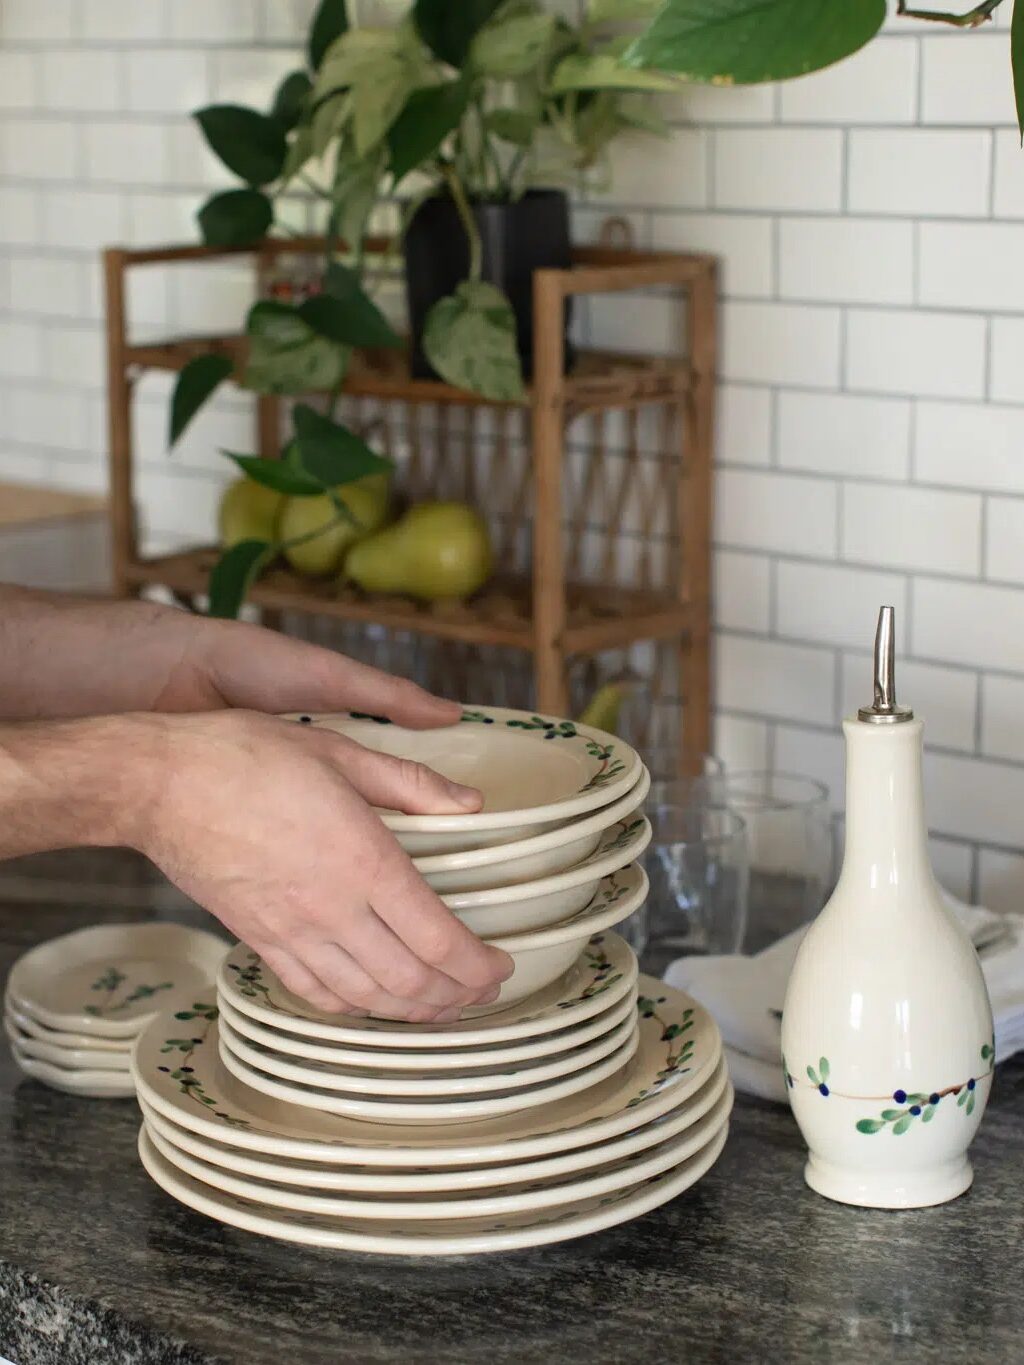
555,620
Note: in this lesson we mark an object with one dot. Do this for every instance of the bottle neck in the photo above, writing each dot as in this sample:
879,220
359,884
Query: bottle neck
886,833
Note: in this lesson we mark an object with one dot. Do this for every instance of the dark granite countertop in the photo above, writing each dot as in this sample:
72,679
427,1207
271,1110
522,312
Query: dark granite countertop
98,1266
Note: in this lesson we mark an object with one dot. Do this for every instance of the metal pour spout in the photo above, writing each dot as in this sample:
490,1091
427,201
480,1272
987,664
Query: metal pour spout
885,710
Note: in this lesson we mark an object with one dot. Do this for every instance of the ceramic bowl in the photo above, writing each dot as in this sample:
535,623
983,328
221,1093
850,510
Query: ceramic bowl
534,905
542,955
535,773
526,860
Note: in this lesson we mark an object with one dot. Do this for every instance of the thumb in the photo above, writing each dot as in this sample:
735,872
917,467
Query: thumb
401,784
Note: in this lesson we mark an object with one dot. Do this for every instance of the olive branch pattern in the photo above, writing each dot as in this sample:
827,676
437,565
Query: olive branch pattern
183,1072
677,1059
908,1107
112,980
603,975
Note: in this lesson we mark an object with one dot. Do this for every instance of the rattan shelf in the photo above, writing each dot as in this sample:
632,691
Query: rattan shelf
616,529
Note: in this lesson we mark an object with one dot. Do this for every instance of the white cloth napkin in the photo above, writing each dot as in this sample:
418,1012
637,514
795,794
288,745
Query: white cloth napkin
745,995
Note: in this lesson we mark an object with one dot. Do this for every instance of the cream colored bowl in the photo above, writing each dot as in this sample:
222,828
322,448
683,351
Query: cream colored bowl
534,772
526,860
533,905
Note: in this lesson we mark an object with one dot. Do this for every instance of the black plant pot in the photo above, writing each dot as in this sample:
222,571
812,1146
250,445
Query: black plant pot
517,238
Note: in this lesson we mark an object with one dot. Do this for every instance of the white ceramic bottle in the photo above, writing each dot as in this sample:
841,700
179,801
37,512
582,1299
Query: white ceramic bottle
887,1028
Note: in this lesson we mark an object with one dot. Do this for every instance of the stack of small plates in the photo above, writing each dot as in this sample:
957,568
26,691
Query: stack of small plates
74,1006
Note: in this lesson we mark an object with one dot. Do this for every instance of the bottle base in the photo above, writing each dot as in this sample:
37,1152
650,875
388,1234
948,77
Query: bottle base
889,1189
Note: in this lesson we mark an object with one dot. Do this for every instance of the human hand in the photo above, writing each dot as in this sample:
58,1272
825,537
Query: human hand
267,824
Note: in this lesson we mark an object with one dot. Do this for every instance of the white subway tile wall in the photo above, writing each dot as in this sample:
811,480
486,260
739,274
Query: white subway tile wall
869,219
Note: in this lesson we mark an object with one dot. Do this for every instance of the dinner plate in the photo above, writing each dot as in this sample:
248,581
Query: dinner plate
594,982
603,1178
430,1063
111,979
57,1038
443,1238
87,1059
94,1084
390,1182
531,770
540,855
477,1081
177,1069
418,1111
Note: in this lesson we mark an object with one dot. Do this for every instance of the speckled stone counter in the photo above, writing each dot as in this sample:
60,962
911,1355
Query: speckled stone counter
99,1267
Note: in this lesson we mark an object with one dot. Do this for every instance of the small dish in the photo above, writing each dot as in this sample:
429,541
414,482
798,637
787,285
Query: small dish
93,1084
110,980
536,904
70,1058
412,1112
83,1041
525,860
532,771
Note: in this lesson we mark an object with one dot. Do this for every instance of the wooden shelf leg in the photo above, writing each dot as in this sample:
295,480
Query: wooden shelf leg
695,515
124,548
549,609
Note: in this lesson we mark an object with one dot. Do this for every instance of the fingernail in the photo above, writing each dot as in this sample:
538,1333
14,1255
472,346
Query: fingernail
466,797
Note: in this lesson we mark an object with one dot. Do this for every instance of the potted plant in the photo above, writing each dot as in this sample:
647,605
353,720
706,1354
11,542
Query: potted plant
475,115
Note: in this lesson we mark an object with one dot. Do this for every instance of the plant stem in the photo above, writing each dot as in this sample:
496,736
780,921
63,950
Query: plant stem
468,221
971,19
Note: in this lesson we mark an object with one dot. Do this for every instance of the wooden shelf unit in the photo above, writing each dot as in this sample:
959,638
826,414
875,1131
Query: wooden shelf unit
549,606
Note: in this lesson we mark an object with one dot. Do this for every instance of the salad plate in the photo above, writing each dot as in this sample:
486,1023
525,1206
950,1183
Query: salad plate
426,1110
443,1238
316,1176
71,1058
94,1084
600,976
178,1072
477,1081
602,1178
109,980
531,770
85,1041
457,1060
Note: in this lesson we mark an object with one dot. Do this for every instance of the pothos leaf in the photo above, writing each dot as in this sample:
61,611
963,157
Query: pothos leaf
344,312
511,46
470,339
290,99
234,574
196,382
448,26
512,125
1017,63
605,71
249,143
286,355
619,11
426,120
329,23
235,218
331,452
276,474
746,42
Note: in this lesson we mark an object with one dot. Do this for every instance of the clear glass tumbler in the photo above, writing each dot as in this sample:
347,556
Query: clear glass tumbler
789,829
697,863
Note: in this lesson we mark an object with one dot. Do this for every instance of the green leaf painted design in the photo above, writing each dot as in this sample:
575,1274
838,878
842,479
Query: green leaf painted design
112,980
869,1125
901,1125
823,1068
189,1083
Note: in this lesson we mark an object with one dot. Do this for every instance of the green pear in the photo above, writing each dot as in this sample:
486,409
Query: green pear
322,553
248,511
437,550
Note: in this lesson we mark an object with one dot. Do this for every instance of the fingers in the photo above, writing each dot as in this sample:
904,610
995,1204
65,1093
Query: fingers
265,671
343,976
301,981
398,783
397,970
424,923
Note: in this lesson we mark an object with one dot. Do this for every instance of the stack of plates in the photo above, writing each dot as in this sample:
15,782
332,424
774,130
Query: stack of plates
583,1096
74,1006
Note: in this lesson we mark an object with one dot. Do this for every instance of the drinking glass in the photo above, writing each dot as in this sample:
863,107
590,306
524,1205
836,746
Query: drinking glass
789,829
697,863
670,786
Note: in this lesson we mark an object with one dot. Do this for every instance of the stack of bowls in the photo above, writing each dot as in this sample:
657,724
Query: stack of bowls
585,1095
74,1006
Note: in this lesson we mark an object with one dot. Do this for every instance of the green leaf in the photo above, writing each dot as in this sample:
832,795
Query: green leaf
969,1106
512,125
961,1099
893,1114
345,313
470,339
329,23
290,100
196,382
234,574
235,218
746,42
812,1075
448,28
823,1067
512,46
377,103
426,120
902,1125
987,1052
356,184
300,149
249,143
286,355
357,55
869,1125
603,71
332,453
619,11
276,474
928,1113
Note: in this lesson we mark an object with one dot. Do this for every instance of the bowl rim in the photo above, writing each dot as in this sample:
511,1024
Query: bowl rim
580,926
